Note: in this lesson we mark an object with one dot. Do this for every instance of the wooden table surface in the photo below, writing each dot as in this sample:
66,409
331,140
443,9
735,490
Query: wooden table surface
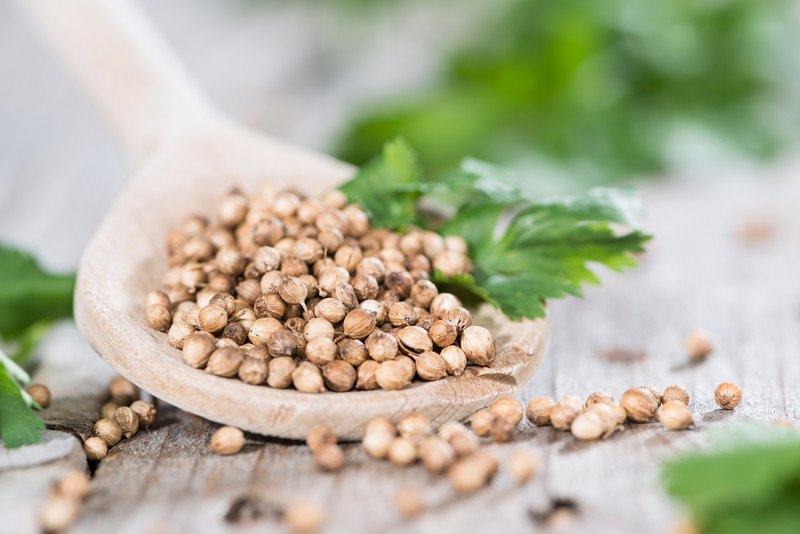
700,271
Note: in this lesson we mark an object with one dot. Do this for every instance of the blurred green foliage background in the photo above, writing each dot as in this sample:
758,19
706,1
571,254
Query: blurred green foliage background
600,90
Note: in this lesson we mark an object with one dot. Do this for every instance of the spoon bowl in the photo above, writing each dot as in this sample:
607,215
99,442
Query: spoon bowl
187,157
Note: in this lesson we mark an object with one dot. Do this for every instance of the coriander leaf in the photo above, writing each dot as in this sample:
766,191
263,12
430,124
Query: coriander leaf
388,187
544,249
19,425
28,295
751,483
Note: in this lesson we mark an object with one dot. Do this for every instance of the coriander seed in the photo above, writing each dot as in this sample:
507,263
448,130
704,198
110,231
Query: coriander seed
39,393
227,440
414,425
352,351
414,340
436,454
502,430
280,371
598,397
146,412
303,517
321,350
108,430
478,344
381,346
728,395
262,330
293,291
366,378
339,375
159,317
402,451
329,457
565,411
698,345
128,421
307,378
358,324
459,437
74,485
459,317
95,448
320,435
588,426
282,343
656,394
640,404
235,332
269,305
482,421
253,370
108,409
539,409
212,318
197,349
472,473
408,502
507,407
331,310
442,303
675,393
523,466
455,360
157,298
318,327
402,314
423,292
392,375
58,513
443,333
225,362
430,366
675,415
178,332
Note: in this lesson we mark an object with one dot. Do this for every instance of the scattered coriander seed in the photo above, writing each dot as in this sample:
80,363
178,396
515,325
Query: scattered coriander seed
507,407
409,502
698,345
523,466
128,421
502,430
675,393
108,409
226,440
303,517
472,473
293,291
58,513
39,393
599,397
146,412
122,390
654,391
675,415
262,329
640,404
414,425
539,409
74,485
378,437
728,395
329,457
95,448
225,301
588,426
482,422
565,411
402,451
320,435
307,378
108,430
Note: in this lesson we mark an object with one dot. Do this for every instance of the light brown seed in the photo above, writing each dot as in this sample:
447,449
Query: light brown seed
442,303
159,317
307,378
459,317
331,310
423,292
39,393
178,332
95,448
359,324
675,415
392,375
698,345
212,318
507,407
74,485
414,425
675,393
430,366
728,395
227,440
523,466
108,430
320,435
409,502
654,391
402,314
280,372
472,473
366,378
640,404
352,351
318,327
321,350
443,333
478,344
502,430
253,370
565,411
157,298
225,362
402,451
198,348
339,375
413,340
459,437
128,421
329,457
303,517
381,346
455,360
436,454
377,444
482,421
599,397
588,426
293,291
122,391
539,409
108,409
282,343
146,412
262,329
58,513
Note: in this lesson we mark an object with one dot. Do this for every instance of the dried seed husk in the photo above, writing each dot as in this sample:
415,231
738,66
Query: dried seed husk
598,397
146,412
235,332
507,407
128,421
226,441
224,301
320,435
108,430
478,344
402,314
675,393
459,317
413,340
344,293
539,409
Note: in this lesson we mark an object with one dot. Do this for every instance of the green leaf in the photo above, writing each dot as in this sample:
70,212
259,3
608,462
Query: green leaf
750,483
545,249
29,295
388,187
19,424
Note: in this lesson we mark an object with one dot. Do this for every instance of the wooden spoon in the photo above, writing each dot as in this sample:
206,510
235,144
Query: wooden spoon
186,157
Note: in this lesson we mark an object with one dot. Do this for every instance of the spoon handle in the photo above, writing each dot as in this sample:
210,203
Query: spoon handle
126,68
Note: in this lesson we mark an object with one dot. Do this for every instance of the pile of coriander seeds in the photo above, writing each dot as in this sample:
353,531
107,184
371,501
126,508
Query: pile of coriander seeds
290,291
